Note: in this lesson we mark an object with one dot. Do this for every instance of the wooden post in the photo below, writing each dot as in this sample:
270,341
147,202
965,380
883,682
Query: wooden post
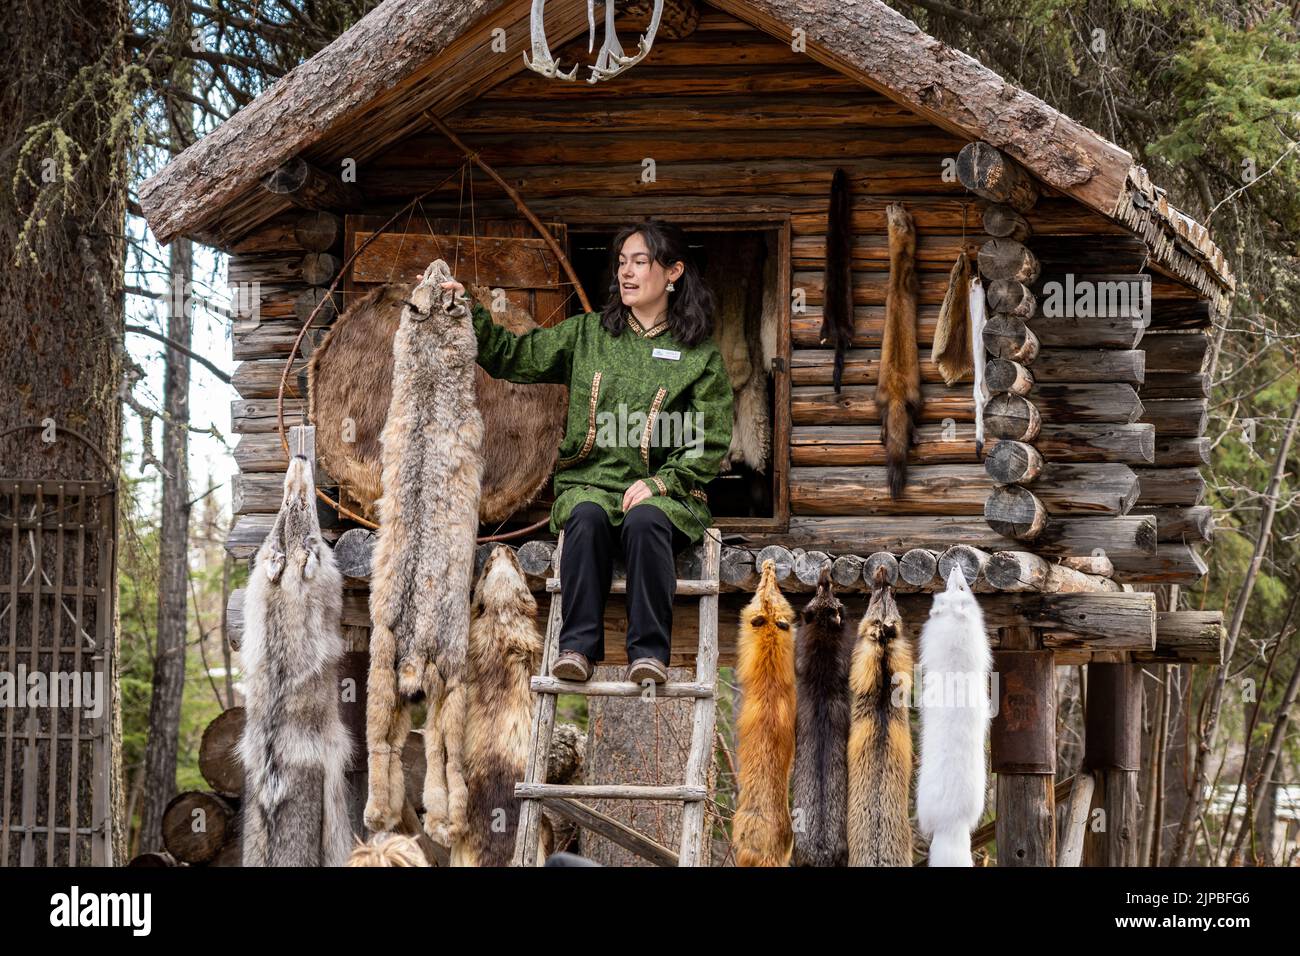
1023,749
1112,751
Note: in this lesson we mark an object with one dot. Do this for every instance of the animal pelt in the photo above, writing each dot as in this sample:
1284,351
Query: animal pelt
898,392
735,271
388,849
821,797
975,298
294,746
837,307
880,739
762,830
504,649
955,665
952,342
349,385
424,558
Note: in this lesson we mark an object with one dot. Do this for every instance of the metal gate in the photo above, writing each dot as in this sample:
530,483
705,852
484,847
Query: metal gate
57,673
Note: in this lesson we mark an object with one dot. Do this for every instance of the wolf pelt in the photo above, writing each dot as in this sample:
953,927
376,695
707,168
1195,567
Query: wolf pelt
294,746
762,830
349,390
880,738
955,665
424,558
822,650
504,649
898,391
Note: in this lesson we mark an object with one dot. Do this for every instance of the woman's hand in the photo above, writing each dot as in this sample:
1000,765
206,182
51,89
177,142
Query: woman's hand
637,491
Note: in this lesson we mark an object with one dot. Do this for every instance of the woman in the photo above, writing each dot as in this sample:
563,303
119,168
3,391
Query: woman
650,409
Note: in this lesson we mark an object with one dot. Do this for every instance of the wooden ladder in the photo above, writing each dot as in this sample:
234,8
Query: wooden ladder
565,799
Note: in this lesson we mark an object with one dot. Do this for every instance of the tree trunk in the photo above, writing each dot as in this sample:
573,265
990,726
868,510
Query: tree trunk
62,209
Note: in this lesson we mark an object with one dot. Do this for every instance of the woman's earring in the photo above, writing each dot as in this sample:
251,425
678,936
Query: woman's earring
670,285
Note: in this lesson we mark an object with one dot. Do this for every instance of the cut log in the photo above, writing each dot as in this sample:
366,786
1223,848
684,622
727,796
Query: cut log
1187,637
319,268
991,174
1015,512
813,445
1176,417
1056,366
880,568
1110,403
1170,486
196,825
861,367
353,552
1011,297
1173,563
1008,259
782,560
1023,571
970,560
737,570
1013,463
1176,351
808,567
1176,385
305,304
1004,222
1007,337
846,571
1071,332
318,231
1083,442
1188,525
918,567
1005,375
306,186
1090,564
218,755
1011,417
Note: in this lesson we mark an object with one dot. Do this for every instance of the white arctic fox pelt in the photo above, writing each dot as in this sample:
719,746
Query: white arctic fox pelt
295,748
955,664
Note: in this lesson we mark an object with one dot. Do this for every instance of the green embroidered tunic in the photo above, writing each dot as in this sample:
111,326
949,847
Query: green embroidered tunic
641,406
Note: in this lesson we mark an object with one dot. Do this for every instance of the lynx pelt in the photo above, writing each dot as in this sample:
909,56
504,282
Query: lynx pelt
504,649
424,558
350,379
762,829
294,747
955,665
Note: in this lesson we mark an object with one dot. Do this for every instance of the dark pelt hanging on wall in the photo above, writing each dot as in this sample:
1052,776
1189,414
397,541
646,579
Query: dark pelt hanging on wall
837,307
350,383
880,738
821,797
898,393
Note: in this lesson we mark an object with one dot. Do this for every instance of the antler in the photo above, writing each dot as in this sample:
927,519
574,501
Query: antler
542,61
612,52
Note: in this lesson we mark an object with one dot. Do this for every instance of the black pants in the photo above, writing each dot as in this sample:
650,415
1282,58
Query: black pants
649,542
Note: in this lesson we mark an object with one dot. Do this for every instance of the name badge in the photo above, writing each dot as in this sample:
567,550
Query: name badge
667,354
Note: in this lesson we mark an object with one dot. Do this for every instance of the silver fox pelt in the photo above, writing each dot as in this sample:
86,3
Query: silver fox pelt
424,558
294,747
955,664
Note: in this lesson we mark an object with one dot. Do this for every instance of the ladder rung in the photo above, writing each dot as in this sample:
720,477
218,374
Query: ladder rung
617,688
688,586
609,791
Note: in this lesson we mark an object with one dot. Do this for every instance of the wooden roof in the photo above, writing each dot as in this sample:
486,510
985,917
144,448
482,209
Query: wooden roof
372,86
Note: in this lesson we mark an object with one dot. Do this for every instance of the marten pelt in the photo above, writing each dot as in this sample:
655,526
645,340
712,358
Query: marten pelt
837,305
762,830
504,648
294,746
880,738
424,558
898,392
821,796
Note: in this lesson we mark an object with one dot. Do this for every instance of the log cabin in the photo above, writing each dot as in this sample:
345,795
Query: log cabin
421,132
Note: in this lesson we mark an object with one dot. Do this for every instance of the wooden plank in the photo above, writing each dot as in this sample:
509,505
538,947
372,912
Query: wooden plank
602,823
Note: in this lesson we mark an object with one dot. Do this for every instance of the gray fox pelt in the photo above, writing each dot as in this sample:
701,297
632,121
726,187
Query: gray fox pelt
504,649
821,796
294,747
762,829
424,558
898,392
880,738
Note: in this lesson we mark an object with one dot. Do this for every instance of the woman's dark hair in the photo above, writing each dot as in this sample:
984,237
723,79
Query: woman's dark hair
690,304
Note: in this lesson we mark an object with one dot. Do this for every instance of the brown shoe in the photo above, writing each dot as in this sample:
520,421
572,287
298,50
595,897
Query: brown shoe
571,665
646,668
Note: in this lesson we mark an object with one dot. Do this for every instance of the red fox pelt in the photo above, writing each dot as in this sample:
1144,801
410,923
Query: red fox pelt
762,830
880,738
424,558
898,392
294,747
821,795
350,378
504,649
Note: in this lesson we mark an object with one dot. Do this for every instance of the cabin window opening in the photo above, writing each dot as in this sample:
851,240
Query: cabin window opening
742,267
